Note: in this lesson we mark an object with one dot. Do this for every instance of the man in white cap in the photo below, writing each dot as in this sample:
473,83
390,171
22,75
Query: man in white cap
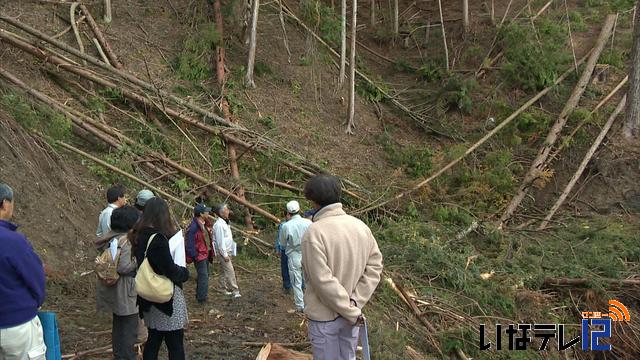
291,236
141,199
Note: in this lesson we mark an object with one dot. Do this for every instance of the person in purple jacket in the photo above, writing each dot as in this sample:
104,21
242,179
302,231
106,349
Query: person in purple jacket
22,289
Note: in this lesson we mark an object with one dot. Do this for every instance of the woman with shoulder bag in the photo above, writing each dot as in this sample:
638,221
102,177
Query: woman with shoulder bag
165,321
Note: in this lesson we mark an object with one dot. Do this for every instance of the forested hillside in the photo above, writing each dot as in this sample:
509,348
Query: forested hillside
490,145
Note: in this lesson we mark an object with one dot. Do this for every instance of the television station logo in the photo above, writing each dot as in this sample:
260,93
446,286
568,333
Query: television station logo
595,327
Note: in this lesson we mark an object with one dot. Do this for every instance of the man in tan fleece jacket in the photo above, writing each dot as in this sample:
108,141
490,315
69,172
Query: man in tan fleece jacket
342,266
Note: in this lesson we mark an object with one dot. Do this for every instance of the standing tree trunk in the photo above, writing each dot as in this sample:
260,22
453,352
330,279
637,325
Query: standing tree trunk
631,128
107,11
352,71
231,148
373,14
396,20
252,44
444,37
343,43
246,17
465,15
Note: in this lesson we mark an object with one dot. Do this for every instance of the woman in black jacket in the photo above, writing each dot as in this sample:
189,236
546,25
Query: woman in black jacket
165,321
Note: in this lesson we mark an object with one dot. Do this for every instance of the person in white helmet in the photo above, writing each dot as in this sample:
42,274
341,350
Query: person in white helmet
291,236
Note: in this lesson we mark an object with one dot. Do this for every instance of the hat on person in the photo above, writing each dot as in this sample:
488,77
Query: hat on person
143,196
293,207
201,209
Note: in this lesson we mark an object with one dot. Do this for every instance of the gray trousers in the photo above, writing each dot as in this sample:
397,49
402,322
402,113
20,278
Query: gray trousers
124,334
333,340
227,279
202,286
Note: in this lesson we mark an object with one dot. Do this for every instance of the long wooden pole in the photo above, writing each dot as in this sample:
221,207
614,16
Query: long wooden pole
475,146
583,164
537,166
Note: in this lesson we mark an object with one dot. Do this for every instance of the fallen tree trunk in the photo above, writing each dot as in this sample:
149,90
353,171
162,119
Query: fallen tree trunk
121,73
565,140
150,87
148,185
47,100
414,308
284,186
552,282
75,117
537,166
583,164
475,146
113,59
133,79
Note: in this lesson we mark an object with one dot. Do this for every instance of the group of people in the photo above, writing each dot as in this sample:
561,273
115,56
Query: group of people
333,261
147,231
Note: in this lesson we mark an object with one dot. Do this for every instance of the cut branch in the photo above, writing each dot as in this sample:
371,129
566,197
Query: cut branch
537,166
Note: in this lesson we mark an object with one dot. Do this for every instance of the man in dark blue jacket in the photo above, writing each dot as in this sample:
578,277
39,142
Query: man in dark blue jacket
22,289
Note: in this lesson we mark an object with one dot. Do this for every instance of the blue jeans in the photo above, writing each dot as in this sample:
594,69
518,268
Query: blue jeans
284,269
202,286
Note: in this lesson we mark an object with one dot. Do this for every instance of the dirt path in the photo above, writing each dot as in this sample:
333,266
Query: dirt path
217,330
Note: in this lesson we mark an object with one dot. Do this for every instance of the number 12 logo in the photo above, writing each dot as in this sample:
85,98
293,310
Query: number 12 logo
590,338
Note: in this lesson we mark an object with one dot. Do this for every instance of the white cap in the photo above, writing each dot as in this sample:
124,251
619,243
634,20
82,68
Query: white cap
293,207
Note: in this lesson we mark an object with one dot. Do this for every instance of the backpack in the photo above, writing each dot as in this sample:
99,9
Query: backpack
106,267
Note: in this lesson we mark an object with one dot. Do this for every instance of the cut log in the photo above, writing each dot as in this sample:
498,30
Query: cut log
475,146
538,165
583,164
113,59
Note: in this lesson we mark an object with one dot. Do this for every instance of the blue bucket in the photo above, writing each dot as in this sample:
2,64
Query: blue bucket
51,337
